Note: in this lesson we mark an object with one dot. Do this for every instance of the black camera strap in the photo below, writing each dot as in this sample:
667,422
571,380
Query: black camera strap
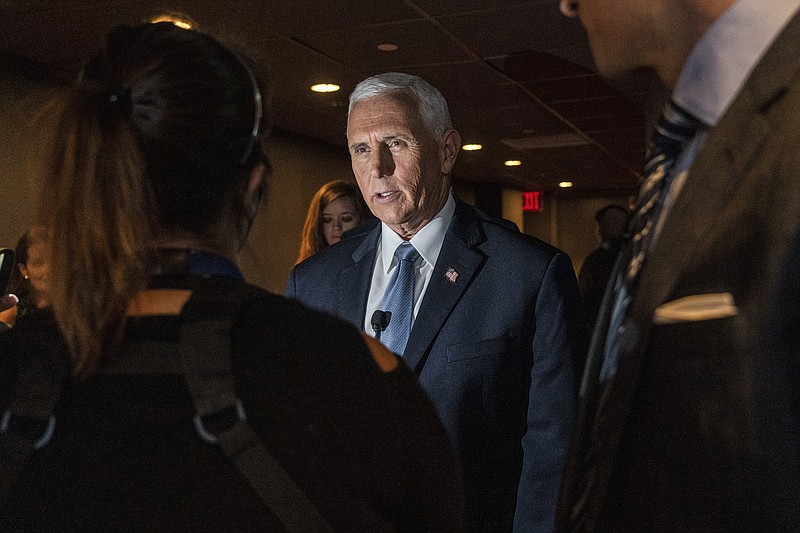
206,353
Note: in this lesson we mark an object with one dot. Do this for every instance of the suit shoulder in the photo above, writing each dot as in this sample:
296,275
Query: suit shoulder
485,218
363,228
340,253
502,231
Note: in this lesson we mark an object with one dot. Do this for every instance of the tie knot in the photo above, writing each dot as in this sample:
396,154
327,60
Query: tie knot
406,252
675,126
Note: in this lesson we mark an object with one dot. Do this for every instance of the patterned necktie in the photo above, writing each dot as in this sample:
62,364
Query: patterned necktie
675,127
398,300
674,130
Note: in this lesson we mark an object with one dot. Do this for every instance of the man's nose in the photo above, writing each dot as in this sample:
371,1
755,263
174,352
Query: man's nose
382,162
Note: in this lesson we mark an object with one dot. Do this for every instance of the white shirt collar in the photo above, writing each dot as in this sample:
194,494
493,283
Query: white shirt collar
724,57
427,241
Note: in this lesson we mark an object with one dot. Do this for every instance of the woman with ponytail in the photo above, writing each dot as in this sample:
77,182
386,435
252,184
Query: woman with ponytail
155,171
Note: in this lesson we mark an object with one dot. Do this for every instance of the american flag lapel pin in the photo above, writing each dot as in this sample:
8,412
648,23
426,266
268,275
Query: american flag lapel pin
451,275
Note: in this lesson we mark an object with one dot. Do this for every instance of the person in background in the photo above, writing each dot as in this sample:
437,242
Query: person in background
689,412
489,318
29,281
152,326
335,208
610,224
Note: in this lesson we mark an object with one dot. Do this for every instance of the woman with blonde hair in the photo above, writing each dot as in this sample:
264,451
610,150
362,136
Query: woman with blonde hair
335,208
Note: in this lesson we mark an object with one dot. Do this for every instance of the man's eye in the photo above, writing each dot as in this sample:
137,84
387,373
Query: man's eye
360,150
396,143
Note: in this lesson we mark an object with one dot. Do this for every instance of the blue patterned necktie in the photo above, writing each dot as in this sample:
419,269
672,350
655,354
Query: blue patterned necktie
673,131
675,127
398,300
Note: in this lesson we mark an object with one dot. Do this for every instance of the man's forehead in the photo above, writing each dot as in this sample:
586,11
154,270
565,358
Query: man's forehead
381,104
383,117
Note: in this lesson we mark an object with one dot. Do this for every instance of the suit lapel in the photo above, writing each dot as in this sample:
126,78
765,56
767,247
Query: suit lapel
719,169
717,172
354,281
594,359
457,265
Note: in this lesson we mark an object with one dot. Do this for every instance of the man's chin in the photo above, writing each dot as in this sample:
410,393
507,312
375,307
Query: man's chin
619,73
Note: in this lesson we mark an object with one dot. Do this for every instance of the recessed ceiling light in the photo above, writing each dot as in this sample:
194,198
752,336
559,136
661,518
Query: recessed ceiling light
387,47
178,19
512,163
565,184
471,147
325,88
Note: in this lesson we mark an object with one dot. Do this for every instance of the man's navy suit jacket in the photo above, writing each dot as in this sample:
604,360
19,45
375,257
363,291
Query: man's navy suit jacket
493,346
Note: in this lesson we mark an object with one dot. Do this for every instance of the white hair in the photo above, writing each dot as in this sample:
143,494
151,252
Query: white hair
431,104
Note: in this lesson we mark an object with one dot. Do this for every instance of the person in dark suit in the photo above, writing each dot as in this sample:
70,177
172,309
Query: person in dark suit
689,408
497,315
596,269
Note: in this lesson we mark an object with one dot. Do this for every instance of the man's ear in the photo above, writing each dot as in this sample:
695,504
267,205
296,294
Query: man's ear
450,148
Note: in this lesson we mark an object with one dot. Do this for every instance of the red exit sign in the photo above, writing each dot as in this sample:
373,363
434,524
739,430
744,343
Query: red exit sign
532,200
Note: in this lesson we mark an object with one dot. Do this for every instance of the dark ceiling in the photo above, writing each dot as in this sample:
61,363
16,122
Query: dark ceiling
518,75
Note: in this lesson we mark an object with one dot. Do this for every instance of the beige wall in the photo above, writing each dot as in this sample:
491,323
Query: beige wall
300,167
17,192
